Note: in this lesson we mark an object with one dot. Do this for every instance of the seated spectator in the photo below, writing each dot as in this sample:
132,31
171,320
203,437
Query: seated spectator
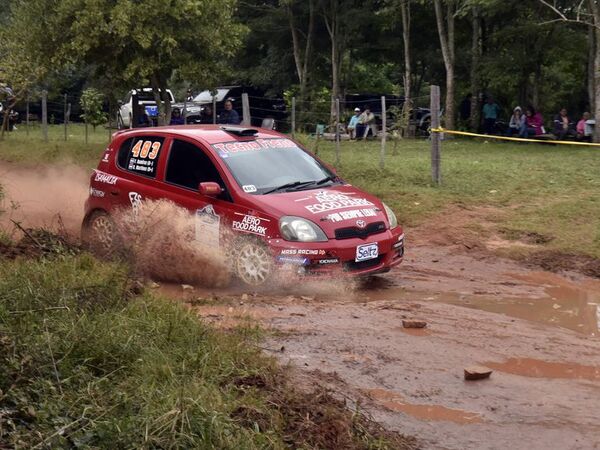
353,122
563,126
582,135
206,115
534,123
367,122
229,116
491,110
517,121
176,117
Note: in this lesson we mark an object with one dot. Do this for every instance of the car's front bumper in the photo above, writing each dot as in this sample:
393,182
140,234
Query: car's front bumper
338,256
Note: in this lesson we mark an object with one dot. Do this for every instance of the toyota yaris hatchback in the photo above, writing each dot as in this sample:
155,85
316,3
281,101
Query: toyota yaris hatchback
255,194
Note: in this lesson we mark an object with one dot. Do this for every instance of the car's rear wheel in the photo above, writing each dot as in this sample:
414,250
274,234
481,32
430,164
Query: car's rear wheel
100,234
253,263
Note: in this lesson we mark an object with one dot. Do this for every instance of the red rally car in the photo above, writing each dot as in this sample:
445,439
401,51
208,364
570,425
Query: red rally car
254,191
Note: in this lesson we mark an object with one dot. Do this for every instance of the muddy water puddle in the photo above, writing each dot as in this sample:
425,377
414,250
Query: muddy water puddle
536,368
395,402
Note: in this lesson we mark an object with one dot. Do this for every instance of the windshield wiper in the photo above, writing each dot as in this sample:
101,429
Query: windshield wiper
325,180
293,184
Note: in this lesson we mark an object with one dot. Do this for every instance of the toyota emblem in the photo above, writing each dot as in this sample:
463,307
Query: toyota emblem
361,223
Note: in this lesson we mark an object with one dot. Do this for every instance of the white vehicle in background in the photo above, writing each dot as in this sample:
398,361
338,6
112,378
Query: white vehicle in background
145,98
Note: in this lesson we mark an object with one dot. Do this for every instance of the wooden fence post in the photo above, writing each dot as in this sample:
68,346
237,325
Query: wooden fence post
246,120
436,173
383,133
185,111
337,133
45,115
214,110
65,115
27,116
293,116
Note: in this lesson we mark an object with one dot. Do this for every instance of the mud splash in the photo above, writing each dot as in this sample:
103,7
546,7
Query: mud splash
536,368
159,240
394,402
44,197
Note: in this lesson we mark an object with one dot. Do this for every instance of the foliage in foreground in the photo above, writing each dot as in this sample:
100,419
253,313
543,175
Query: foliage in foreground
84,364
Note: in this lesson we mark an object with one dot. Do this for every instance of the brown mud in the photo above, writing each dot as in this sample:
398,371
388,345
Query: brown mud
538,330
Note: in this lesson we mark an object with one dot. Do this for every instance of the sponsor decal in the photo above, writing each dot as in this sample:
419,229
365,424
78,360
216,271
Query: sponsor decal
105,157
250,224
249,188
96,192
352,214
329,261
136,201
208,225
105,178
302,251
292,260
328,201
257,144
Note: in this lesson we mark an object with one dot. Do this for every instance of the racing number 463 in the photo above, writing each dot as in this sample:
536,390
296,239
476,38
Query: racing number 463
141,149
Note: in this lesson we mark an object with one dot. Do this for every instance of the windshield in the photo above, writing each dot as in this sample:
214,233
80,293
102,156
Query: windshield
148,96
207,97
262,166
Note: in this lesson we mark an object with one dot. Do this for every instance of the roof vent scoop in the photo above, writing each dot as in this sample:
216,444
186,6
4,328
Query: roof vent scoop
239,131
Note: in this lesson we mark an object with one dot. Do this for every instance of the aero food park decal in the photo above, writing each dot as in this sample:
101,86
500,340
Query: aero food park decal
332,201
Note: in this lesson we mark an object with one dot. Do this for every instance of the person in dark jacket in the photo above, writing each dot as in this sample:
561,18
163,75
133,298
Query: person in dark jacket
564,127
229,116
176,117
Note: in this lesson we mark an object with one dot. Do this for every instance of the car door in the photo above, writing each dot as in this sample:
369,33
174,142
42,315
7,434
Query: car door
139,165
188,165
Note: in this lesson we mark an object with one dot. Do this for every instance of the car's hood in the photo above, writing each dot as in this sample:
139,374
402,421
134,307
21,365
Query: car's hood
329,207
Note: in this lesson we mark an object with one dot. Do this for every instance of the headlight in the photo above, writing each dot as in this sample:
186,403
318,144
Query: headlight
299,229
391,216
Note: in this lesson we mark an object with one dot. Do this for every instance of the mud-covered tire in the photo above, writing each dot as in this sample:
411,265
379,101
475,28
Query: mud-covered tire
99,234
252,262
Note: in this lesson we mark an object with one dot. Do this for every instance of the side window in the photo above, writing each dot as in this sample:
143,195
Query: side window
189,166
140,155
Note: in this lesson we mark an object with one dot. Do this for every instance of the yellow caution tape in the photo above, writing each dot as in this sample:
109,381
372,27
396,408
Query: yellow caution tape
506,138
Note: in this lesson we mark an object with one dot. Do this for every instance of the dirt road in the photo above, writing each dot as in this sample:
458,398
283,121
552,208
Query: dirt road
537,330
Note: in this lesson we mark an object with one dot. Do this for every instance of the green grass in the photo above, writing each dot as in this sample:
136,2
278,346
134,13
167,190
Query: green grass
86,364
21,147
550,190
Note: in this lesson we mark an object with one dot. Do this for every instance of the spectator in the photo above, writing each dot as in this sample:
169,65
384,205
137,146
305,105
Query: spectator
465,107
206,115
581,128
367,120
491,110
353,123
229,116
517,122
176,117
563,126
534,123
189,97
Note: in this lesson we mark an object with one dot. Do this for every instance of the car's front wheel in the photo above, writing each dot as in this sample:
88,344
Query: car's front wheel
100,235
253,263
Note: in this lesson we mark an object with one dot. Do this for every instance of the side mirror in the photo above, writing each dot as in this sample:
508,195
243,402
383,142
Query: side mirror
209,188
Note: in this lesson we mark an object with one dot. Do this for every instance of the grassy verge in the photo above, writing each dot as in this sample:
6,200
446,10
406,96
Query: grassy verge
552,191
84,363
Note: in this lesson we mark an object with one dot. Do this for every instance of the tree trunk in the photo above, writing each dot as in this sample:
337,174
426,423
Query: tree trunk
447,46
476,51
405,12
331,19
162,99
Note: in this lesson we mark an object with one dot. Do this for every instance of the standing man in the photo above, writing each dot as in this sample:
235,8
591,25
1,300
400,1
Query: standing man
491,110
353,123
229,116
